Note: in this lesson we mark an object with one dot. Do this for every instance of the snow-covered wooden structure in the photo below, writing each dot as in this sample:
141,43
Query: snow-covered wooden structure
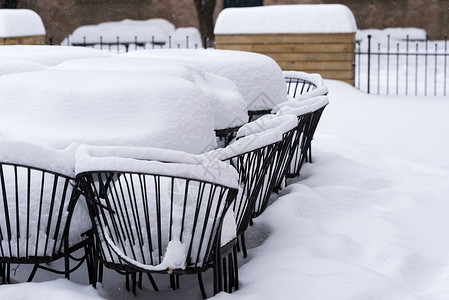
21,27
312,38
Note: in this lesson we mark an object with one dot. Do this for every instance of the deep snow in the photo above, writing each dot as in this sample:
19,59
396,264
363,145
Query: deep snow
366,220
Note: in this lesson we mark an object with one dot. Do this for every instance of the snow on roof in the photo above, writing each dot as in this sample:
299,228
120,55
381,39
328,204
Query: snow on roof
300,18
20,22
395,33
143,30
258,77
55,108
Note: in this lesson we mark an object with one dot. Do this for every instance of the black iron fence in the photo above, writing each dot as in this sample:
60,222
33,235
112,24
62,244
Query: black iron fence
386,67
402,67
125,45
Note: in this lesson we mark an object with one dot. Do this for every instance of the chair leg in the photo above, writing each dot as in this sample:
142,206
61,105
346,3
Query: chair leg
172,282
134,282
242,239
225,275
139,282
200,282
153,283
33,272
8,273
127,281
236,269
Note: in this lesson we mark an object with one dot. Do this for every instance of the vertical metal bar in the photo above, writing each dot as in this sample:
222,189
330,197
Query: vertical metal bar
416,69
6,209
436,68
397,68
445,64
369,63
152,42
358,64
68,40
425,65
187,41
135,42
378,68
101,43
169,42
388,64
16,184
84,41
406,64
118,45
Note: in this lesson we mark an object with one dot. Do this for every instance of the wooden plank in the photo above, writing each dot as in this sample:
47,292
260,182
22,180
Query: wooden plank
278,48
308,38
340,56
330,65
23,40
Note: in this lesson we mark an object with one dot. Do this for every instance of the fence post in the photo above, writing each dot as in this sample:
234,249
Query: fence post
369,63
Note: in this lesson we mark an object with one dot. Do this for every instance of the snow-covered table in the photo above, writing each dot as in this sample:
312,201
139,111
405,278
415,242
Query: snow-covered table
227,104
56,108
258,77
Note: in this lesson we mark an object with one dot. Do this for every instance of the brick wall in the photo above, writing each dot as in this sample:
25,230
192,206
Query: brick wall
432,15
61,17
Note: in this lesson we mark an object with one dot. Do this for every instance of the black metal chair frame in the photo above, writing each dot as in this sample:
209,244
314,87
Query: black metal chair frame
307,124
227,134
252,167
254,114
297,86
55,221
104,197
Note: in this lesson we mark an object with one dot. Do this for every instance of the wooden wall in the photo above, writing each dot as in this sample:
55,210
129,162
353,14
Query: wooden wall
331,55
23,40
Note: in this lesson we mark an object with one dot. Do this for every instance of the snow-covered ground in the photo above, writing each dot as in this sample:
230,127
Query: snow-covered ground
366,220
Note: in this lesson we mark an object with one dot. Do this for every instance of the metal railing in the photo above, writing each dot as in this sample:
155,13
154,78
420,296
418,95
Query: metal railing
407,67
121,45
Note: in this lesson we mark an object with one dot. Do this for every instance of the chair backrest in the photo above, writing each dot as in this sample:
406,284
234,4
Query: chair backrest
155,222
35,208
297,86
286,125
252,156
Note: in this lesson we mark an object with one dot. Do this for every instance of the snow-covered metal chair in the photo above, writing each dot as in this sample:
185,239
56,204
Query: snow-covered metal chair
274,178
308,112
157,211
40,220
301,85
252,157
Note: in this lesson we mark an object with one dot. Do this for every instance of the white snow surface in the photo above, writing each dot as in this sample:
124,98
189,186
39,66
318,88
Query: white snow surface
395,33
299,18
56,108
258,77
127,30
154,161
301,107
33,155
314,78
246,144
50,290
367,220
268,122
20,22
14,65
226,101
48,55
